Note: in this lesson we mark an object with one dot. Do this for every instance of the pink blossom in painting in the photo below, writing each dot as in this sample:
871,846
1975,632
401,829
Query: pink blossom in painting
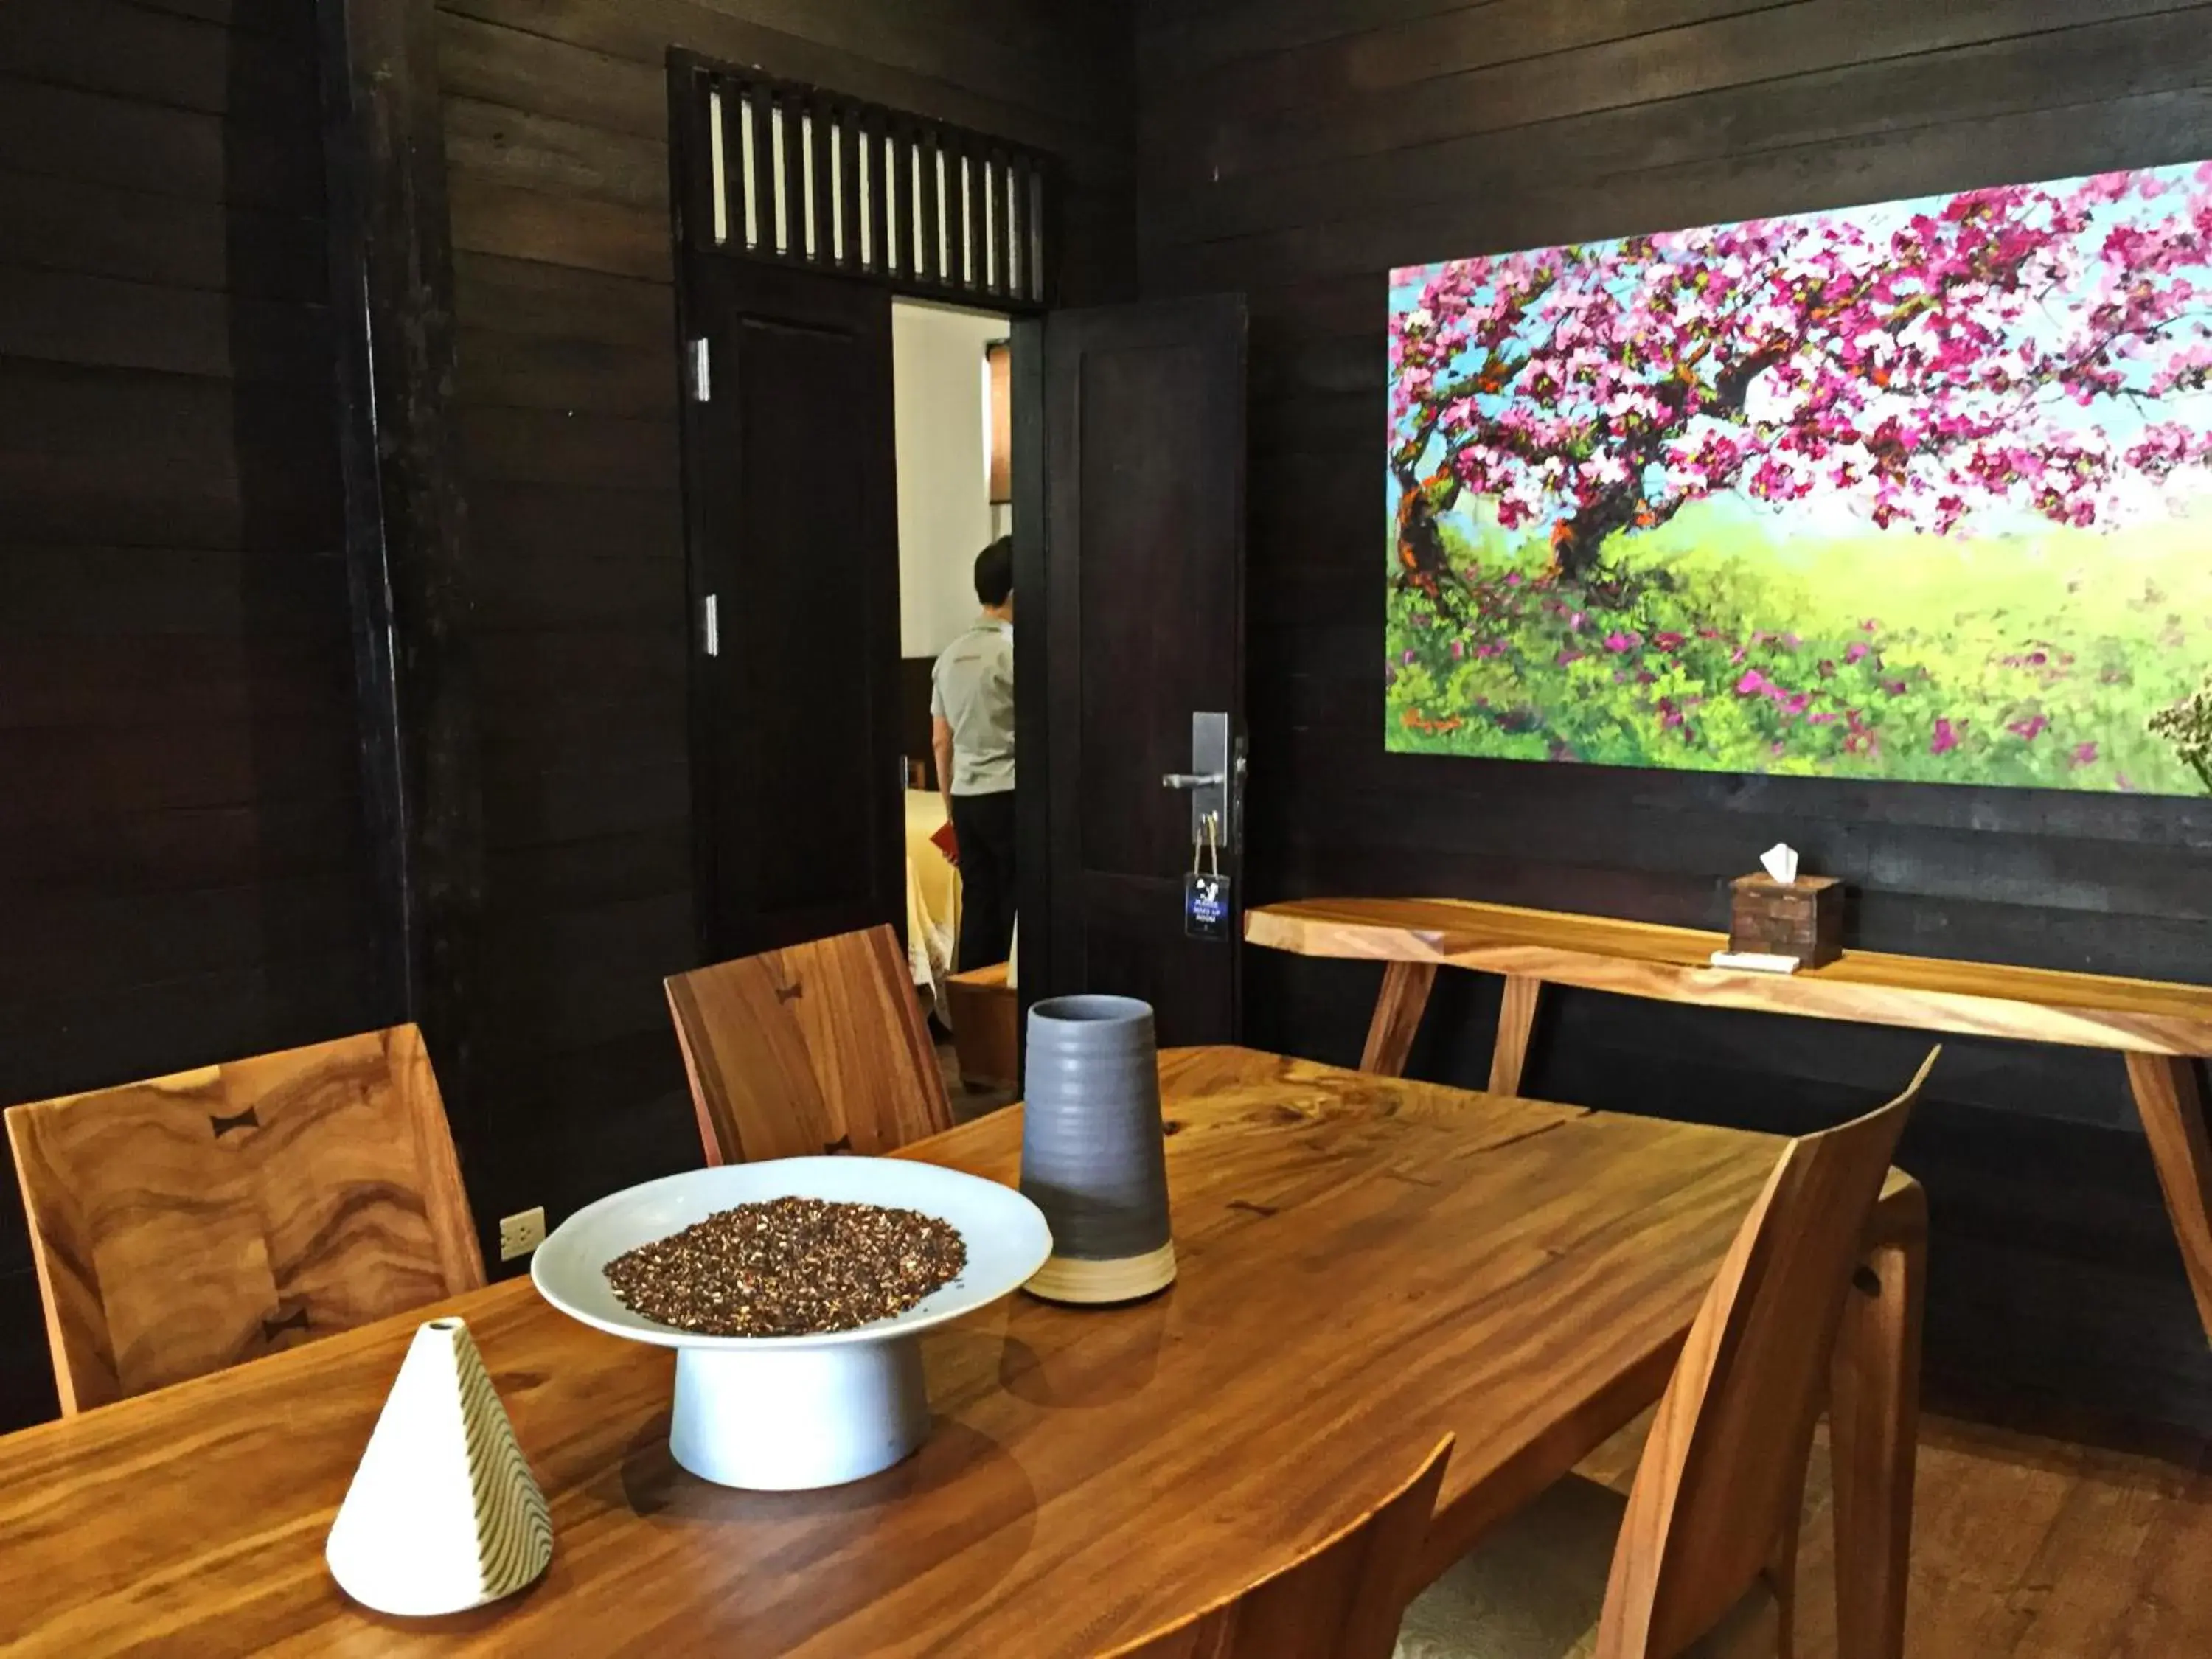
1920,490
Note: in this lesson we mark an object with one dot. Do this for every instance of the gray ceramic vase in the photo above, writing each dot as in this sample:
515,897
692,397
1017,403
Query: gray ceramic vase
1094,1154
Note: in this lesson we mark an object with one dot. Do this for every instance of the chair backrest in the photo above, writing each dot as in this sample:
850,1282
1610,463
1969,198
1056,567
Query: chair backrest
1341,1600
1722,1473
184,1224
814,1048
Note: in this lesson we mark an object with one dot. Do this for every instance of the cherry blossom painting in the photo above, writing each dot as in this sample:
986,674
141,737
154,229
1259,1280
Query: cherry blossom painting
1916,491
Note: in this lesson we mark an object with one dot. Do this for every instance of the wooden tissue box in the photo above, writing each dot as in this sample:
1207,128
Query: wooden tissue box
1803,919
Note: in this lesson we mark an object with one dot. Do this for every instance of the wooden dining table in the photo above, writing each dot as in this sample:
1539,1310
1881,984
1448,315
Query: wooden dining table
1365,1264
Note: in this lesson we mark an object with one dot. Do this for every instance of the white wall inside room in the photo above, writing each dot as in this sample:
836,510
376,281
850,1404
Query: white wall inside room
944,512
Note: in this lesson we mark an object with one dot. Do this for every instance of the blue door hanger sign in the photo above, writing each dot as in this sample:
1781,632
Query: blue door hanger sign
1208,910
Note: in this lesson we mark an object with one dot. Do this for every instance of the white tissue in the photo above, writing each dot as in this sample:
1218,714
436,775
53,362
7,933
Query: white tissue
1781,862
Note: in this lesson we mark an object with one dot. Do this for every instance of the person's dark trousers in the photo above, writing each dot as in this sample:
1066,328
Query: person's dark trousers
984,825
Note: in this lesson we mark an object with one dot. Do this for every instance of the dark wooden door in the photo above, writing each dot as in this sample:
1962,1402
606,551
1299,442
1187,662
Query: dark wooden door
789,481
1141,571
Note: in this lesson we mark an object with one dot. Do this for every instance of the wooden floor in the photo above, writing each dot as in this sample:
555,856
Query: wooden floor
2024,1548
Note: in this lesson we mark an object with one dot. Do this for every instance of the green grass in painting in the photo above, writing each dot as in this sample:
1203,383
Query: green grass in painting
2034,660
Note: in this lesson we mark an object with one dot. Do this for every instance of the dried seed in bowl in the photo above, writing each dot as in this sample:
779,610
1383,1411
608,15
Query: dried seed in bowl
790,1267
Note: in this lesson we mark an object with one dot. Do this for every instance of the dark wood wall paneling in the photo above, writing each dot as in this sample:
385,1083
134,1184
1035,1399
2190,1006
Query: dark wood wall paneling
183,866
1298,150
555,130
183,876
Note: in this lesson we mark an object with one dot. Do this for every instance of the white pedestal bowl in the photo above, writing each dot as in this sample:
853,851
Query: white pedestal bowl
783,1413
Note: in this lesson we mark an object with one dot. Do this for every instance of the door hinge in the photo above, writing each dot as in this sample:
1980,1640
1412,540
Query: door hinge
710,626
1239,766
703,372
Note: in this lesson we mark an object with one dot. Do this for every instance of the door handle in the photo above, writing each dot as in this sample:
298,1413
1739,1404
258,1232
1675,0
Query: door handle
1208,782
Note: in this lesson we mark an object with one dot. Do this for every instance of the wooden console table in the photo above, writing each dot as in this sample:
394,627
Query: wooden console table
2160,1028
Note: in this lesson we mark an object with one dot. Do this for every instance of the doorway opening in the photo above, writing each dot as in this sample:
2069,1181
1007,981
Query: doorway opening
800,214
801,217
952,429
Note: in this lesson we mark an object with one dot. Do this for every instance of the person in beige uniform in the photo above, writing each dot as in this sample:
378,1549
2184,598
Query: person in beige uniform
971,707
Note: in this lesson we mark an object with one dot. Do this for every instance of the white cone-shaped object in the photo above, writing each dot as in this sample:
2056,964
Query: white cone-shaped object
443,1514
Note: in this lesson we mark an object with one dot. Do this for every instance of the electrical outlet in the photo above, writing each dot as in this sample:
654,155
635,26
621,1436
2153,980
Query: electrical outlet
519,1235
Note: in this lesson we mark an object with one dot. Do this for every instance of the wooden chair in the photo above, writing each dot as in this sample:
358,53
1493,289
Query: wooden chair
1703,1550
1341,1600
819,1047
183,1224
